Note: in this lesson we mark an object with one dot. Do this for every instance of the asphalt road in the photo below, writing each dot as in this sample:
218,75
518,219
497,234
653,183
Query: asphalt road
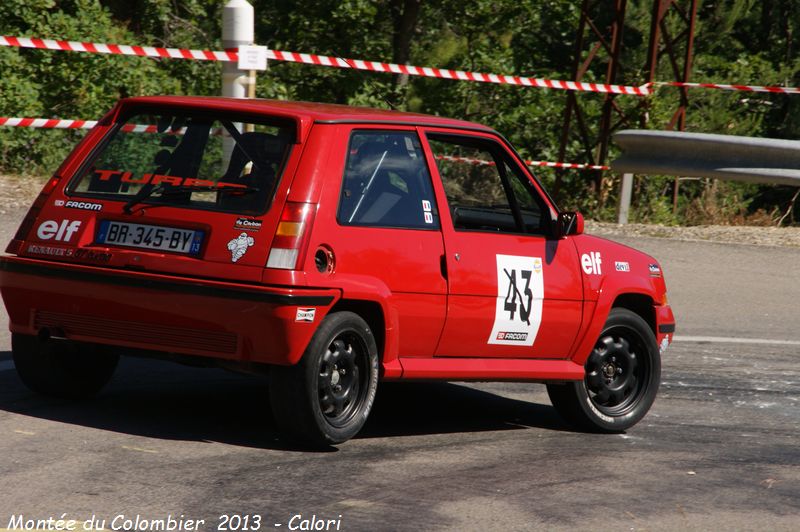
719,449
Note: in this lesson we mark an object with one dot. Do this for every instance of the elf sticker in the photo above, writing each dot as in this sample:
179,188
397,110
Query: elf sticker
520,291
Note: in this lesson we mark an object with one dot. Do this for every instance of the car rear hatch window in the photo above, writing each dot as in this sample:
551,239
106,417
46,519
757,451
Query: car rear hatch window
188,159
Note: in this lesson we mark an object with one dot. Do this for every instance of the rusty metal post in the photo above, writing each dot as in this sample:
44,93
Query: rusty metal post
661,42
604,44
686,11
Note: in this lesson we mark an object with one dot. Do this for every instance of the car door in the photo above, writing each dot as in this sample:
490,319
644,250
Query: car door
513,290
385,231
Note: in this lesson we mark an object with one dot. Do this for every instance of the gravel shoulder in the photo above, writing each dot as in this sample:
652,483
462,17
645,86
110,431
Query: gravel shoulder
18,192
733,234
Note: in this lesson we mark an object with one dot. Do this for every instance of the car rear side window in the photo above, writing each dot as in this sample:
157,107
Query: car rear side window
485,189
386,182
189,160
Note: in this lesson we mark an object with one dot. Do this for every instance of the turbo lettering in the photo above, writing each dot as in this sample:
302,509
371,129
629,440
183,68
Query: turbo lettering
161,179
106,175
189,182
157,179
127,177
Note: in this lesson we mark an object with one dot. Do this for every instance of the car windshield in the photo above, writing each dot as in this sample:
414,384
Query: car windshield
187,160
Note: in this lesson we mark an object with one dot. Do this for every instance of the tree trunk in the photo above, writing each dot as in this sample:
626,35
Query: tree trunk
404,23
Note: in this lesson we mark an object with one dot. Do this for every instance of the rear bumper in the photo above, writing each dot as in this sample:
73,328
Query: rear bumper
191,316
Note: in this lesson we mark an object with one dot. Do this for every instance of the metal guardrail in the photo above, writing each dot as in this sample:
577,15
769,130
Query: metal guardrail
748,159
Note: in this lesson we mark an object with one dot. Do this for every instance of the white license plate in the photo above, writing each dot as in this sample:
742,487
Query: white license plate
155,237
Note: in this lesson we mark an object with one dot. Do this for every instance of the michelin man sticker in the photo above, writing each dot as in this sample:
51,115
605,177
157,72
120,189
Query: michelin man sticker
238,246
520,291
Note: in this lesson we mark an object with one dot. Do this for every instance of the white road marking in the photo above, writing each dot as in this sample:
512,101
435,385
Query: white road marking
730,340
6,365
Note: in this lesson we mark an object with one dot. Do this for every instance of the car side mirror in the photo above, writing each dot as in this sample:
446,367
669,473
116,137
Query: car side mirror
569,223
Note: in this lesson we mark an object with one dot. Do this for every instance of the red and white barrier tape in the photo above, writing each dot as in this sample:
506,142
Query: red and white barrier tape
117,49
320,60
548,164
571,166
49,123
57,123
725,87
358,64
459,75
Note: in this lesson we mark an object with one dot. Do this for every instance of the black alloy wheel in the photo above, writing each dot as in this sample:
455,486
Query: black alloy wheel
325,398
623,373
616,375
343,378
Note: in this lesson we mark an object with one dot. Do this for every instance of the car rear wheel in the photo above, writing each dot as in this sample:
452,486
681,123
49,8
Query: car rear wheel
62,369
326,397
622,378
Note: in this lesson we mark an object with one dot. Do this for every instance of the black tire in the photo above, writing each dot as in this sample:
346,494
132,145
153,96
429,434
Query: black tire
623,373
326,397
62,369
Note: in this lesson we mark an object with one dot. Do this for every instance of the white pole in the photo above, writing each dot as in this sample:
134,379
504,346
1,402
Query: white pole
625,193
237,30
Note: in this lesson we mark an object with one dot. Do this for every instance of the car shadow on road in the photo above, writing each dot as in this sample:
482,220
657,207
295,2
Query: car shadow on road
416,408
167,401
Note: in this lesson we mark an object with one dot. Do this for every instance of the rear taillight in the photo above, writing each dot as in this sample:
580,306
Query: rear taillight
291,236
30,218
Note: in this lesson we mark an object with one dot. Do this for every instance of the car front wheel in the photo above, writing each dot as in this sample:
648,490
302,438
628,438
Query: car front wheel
623,373
326,397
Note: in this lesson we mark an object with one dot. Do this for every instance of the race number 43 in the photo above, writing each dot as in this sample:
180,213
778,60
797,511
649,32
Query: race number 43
520,291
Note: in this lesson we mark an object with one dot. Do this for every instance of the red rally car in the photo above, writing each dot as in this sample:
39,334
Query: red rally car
330,247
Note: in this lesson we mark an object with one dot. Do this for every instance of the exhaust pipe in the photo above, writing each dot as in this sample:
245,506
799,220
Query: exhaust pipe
47,334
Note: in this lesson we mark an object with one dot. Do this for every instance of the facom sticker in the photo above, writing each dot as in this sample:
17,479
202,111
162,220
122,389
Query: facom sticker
239,245
83,205
622,266
520,292
60,231
591,263
305,314
248,224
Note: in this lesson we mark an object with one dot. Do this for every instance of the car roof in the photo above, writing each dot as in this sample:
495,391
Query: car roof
307,111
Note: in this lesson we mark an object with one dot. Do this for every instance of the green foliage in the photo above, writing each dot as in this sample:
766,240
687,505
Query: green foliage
737,41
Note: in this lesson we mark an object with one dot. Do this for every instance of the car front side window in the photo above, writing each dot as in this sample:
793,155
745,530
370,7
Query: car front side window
485,189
